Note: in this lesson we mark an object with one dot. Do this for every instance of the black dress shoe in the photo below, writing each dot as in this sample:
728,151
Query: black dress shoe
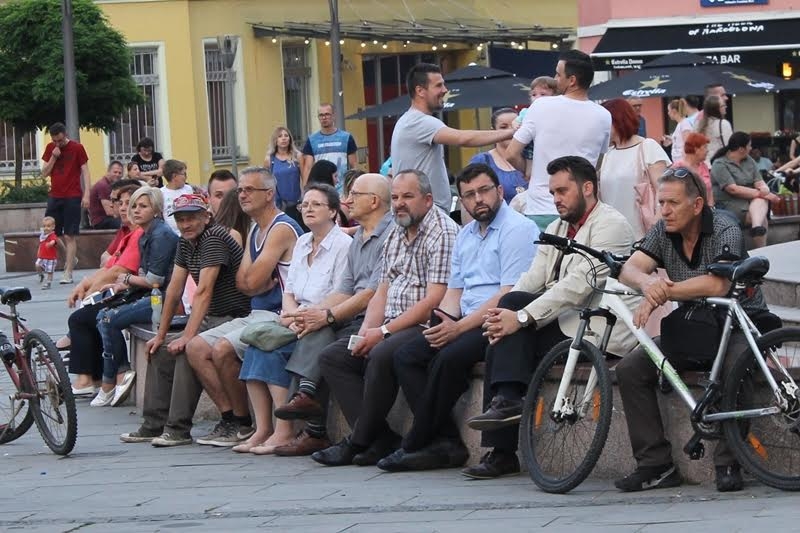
501,413
494,464
383,446
340,454
442,453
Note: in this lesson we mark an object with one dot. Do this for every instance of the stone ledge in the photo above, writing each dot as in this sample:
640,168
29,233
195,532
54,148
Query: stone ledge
21,248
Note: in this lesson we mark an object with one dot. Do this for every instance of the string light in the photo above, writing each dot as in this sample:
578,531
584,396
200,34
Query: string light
327,43
341,41
434,48
385,46
375,41
363,44
444,45
480,46
274,40
307,41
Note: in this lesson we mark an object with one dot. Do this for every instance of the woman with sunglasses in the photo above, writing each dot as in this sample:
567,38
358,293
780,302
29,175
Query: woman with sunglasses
739,188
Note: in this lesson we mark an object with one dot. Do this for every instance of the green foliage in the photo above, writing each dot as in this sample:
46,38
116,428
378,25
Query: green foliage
32,72
34,190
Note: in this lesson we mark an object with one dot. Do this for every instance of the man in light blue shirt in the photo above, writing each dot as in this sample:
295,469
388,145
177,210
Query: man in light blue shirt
330,144
434,368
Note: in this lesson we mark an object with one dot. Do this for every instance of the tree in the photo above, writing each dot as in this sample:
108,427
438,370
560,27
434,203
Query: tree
32,68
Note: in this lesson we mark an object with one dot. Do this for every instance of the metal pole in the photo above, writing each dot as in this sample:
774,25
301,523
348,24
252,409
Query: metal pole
70,87
336,65
229,120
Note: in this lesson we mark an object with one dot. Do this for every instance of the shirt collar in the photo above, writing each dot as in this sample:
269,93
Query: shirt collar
495,224
581,222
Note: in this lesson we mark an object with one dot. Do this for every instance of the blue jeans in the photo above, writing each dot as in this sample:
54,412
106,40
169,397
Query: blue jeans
110,323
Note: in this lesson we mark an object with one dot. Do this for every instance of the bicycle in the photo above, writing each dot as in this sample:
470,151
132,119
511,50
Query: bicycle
42,392
564,428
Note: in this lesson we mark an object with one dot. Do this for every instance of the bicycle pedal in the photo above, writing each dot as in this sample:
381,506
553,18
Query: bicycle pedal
698,452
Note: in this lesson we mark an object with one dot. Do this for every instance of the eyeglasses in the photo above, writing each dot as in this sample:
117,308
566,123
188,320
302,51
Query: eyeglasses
682,173
247,191
322,115
359,193
305,206
472,195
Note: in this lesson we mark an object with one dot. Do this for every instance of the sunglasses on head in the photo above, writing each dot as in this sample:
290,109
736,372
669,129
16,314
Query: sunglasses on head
682,173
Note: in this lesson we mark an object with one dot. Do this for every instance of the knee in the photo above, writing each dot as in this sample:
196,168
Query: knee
222,352
515,300
197,350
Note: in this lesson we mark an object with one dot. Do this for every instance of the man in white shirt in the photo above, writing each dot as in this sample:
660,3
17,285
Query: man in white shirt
418,139
563,125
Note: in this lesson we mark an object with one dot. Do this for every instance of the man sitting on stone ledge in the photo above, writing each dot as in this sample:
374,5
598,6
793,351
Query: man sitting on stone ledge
435,366
216,354
208,253
414,273
541,309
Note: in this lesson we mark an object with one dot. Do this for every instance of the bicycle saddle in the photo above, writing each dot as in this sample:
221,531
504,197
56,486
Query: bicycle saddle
14,295
749,270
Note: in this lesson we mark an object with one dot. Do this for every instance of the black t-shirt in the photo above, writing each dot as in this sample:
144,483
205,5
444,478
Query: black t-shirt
149,166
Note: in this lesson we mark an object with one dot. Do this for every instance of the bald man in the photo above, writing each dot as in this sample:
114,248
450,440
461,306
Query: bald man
340,314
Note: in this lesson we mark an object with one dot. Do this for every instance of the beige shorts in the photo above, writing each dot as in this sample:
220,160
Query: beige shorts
232,330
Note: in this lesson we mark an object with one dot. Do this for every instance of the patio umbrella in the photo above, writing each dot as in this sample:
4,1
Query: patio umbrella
682,73
471,87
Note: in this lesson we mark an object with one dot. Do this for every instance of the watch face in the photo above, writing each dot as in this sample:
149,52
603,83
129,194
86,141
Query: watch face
522,317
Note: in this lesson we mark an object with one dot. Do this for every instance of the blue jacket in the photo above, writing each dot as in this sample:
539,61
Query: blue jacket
157,249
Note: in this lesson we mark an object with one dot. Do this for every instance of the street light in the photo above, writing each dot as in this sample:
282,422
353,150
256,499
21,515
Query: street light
227,51
70,87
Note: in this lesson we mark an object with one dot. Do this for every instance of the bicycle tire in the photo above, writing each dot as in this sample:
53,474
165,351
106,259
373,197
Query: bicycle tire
12,425
54,409
550,447
761,444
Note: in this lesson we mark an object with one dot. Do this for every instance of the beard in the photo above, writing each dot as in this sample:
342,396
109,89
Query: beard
406,220
574,215
485,216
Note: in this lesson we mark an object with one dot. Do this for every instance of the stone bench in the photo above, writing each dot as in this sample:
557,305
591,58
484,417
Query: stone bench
21,248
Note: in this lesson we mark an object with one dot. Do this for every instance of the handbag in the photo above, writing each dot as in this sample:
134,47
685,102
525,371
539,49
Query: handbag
690,336
267,336
645,195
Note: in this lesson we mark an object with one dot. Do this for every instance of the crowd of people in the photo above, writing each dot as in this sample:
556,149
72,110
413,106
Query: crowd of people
308,278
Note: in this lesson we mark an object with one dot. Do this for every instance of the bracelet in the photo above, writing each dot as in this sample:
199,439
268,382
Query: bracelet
127,279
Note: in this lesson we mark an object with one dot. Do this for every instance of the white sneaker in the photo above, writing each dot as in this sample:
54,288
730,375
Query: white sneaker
103,398
122,390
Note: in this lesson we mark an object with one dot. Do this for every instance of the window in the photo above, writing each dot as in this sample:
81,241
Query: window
296,76
30,156
140,121
216,77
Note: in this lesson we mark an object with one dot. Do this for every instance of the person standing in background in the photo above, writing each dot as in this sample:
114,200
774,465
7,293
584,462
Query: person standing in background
331,144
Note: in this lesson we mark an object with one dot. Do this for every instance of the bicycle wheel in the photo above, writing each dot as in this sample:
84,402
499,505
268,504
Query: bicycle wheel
15,415
54,409
767,446
560,449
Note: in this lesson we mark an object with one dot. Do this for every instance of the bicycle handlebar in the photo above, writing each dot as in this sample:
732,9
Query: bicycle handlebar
613,261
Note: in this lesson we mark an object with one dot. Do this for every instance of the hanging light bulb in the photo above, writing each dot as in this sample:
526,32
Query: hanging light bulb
434,48
341,41
480,46
375,41
327,43
385,46
444,45
307,41
363,44
274,40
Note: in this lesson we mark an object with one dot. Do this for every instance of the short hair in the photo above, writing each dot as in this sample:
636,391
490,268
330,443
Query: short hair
329,191
57,128
267,179
115,162
173,167
322,172
472,171
691,182
326,104
146,142
51,220
125,182
424,180
501,111
154,195
418,77
738,139
693,142
578,64
623,117
579,169
221,175
693,101
545,81
710,87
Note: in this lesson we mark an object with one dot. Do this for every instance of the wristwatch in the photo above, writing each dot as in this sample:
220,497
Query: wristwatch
386,332
329,317
523,318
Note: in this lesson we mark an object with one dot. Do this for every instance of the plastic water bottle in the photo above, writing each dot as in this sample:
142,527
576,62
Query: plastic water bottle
156,303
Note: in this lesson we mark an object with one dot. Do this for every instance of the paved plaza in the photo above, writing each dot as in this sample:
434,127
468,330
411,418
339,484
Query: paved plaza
106,485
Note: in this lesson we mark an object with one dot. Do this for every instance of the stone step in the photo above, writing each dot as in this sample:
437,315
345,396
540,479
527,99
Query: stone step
789,315
782,283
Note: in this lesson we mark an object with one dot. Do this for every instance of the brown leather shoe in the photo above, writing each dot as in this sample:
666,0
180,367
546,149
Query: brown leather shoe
303,444
300,407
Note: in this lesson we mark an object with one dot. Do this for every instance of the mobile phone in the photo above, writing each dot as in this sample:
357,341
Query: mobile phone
108,293
436,319
354,340
94,298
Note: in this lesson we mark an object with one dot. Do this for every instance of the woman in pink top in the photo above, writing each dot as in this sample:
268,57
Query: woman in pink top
695,149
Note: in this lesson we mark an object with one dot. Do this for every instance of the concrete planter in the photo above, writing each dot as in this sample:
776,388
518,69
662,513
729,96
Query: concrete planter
21,217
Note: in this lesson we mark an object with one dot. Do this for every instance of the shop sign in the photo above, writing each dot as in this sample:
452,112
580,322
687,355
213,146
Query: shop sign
719,3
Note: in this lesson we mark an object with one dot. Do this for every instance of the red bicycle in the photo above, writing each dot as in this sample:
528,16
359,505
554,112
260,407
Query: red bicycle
35,387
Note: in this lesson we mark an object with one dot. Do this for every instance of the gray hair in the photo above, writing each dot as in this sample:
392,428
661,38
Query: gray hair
267,178
424,180
153,194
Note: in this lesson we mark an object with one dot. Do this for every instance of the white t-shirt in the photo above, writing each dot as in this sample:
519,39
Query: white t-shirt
169,197
684,127
620,172
413,148
559,126
718,132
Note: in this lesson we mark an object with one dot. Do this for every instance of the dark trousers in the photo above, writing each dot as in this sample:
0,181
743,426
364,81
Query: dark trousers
432,381
107,223
86,348
514,360
365,387
638,380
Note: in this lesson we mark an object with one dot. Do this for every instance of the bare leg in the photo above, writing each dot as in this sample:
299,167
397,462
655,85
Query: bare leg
71,244
198,353
262,408
757,215
228,365
284,429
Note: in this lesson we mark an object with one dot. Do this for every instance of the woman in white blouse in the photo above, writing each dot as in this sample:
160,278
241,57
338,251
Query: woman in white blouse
313,273
713,125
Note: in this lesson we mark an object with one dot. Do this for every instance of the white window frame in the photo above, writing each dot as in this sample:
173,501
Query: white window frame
239,104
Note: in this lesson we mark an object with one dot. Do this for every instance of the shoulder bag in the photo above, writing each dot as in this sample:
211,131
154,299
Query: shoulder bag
645,195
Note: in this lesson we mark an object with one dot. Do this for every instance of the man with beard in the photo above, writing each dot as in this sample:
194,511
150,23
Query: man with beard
418,139
415,269
542,309
434,366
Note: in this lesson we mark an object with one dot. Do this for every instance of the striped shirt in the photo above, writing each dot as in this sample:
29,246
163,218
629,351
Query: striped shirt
408,267
215,247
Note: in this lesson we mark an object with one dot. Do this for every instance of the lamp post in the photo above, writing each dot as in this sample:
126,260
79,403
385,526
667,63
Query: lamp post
336,64
227,51
70,88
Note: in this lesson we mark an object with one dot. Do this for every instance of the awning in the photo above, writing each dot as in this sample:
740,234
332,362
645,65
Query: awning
728,42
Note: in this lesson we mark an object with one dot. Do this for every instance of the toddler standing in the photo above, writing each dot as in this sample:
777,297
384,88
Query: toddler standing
48,252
